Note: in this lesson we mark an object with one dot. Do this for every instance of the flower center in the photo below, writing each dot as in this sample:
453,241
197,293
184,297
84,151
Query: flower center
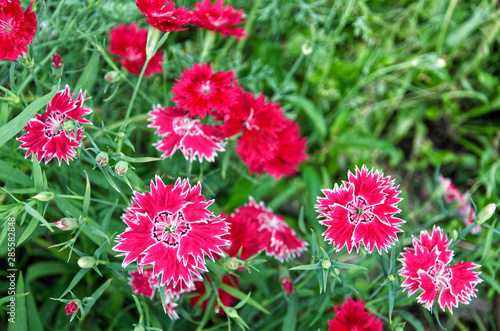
54,124
249,123
360,211
217,22
169,228
440,274
183,125
205,88
270,222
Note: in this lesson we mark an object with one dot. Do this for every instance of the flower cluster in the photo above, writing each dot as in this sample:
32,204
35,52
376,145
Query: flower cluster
453,196
17,29
361,211
352,315
427,267
57,132
255,228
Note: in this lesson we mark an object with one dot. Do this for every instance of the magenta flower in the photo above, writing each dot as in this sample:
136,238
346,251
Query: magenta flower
463,207
255,228
179,131
163,15
171,229
17,29
352,315
57,132
427,267
144,283
130,44
70,308
200,90
361,211
219,18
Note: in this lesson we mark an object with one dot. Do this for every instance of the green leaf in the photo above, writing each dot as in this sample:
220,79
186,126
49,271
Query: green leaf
240,295
89,75
308,267
140,159
37,176
311,111
86,199
290,320
75,281
29,230
21,320
96,295
302,224
14,175
36,215
9,130
347,265
314,244
44,269
411,319
459,34
349,141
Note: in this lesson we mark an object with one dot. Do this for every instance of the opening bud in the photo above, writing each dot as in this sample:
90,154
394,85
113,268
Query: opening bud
44,196
67,223
233,263
326,264
87,262
71,307
287,285
57,62
112,77
121,168
102,159
486,213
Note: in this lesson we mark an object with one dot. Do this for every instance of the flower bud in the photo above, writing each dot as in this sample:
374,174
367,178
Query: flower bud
87,262
287,285
68,126
57,62
67,223
139,327
71,307
326,263
232,263
486,213
391,278
44,196
112,77
121,168
231,312
102,159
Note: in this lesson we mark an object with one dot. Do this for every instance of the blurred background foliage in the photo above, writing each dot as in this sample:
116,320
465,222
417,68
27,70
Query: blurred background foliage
408,87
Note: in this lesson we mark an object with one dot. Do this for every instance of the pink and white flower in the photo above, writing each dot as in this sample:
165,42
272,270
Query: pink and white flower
361,211
57,132
427,267
180,131
171,229
255,228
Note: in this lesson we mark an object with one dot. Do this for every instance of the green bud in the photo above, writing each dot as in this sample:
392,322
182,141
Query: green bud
112,77
233,263
102,159
390,278
326,263
44,196
486,213
68,126
139,327
120,135
87,262
152,41
231,312
121,168
67,224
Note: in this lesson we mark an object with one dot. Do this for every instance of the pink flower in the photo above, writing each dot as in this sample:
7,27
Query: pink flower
171,229
169,307
255,228
17,29
352,315
227,299
361,211
464,208
427,268
287,285
57,131
130,45
70,308
200,90
219,18
163,15
144,283
179,131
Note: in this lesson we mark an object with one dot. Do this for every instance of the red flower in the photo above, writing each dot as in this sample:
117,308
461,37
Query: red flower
179,131
199,90
361,211
464,208
17,29
227,299
255,228
57,131
164,16
427,268
144,283
130,45
353,316
57,62
219,18
71,307
171,229
287,285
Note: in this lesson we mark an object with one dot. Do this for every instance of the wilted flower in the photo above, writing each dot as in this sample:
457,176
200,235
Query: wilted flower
71,307
130,45
178,130
352,315
427,267
163,15
361,211
219,18
227,299
46,136
171,229
17,29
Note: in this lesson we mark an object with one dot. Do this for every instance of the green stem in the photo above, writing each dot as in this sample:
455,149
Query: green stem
444,26
298,62
207,44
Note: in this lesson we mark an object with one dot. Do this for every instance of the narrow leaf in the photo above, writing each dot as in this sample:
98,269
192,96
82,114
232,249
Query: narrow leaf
36,215
86,199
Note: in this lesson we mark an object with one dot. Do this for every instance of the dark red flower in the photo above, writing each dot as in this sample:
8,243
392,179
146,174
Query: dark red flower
353,316
130,45
179,131
57,61
219,18
200,90
57,131
227,299
287,285
163,15
71,307
17,29
144,283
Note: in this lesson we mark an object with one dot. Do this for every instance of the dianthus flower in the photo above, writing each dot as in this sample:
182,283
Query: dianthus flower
255,228
179,131
171,229
17,29
70,308
427,267
219,18
163,15
361,211
352,315
57,131
144,283
130,44
200,90
464,208
227,299
287,285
